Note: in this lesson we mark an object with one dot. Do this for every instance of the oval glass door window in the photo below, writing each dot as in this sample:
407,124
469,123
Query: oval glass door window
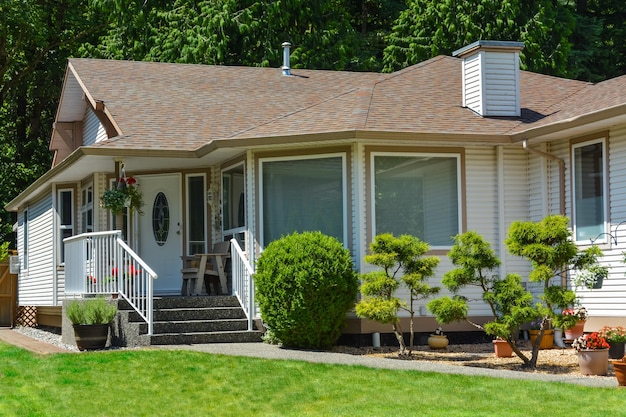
160,219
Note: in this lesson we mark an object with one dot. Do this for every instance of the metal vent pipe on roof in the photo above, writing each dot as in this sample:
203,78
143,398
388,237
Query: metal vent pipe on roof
286,66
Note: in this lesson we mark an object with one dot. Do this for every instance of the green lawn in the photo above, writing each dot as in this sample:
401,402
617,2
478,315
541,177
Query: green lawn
184,383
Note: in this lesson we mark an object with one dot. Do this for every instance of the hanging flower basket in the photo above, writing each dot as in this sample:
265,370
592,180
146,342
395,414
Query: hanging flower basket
125,194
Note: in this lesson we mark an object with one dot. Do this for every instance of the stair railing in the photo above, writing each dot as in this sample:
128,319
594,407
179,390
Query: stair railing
243,282
102,263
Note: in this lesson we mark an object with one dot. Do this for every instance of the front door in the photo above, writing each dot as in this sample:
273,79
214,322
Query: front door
159,230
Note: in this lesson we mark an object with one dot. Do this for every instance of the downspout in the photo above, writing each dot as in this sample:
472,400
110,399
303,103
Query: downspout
561,184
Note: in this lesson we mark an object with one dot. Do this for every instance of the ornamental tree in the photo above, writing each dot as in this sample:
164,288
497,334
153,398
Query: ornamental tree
549,246
403,264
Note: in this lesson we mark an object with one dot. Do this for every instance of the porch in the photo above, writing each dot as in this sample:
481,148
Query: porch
101,264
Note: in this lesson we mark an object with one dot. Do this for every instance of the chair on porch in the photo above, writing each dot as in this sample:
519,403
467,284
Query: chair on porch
207,269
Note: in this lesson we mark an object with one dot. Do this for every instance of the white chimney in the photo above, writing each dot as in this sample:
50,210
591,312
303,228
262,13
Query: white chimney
286,67
491,85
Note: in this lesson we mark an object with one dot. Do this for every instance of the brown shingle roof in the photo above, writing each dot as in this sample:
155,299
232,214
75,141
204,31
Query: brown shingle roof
177,106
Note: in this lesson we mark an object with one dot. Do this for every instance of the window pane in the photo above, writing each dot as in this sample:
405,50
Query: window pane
197,227
66,208
417,195
303,195
589,191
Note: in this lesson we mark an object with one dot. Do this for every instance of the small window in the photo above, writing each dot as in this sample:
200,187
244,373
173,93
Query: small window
86,210
589,190
160,219
196,214
66,219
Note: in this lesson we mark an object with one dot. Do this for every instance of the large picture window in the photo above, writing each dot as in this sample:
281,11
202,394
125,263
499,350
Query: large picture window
417,194
303,194
589,190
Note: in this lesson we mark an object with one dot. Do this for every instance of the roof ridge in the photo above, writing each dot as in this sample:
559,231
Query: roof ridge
300,110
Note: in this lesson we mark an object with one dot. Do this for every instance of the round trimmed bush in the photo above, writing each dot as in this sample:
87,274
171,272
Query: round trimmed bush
305,285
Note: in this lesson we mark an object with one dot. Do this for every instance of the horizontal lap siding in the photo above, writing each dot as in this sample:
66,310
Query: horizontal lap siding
516,204
93,131
610,300
481,209
36,283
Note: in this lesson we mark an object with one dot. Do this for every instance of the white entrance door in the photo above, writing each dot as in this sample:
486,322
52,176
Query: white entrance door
159,230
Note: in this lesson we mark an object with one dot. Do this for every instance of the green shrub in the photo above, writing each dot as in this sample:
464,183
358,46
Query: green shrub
91,311
305,285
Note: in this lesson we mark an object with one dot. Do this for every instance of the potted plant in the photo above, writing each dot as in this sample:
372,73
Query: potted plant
592,278
593,354
548,334
125,194
616,336
91,319
619,367
502,348
572,320
438,340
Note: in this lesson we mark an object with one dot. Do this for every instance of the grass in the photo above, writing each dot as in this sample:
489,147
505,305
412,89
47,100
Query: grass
184,383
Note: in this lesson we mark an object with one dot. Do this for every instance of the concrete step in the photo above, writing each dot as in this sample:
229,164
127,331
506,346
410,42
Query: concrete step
205,337
186,320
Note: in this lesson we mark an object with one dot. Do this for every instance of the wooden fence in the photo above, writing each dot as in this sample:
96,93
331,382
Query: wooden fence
8,296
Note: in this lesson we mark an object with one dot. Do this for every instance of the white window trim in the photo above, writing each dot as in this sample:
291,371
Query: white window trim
344,188
603,237
459,190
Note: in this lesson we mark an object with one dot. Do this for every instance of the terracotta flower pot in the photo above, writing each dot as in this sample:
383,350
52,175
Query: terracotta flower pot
546,341
619,367
438,341
502,348
576,331
594,361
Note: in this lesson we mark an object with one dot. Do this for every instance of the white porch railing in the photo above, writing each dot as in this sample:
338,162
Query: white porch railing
243,282
102,263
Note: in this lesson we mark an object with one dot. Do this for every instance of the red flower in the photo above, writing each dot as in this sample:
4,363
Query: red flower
130,180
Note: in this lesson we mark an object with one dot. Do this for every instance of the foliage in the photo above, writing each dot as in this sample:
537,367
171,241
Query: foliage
590,341
549,246
125,194
428,28
591,276
4,251
91,311
616,334
403,264
305,285
36,38
510,304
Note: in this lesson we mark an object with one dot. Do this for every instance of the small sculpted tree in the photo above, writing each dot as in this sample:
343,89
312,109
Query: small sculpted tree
548,245
403,264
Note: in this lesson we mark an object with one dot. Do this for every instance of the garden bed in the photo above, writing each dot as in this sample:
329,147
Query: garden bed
550,361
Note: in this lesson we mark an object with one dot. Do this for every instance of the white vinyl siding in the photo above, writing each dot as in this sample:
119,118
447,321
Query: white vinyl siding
491,83
609,300
93,131
36,283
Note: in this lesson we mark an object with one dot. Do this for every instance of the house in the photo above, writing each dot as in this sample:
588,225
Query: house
456,143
